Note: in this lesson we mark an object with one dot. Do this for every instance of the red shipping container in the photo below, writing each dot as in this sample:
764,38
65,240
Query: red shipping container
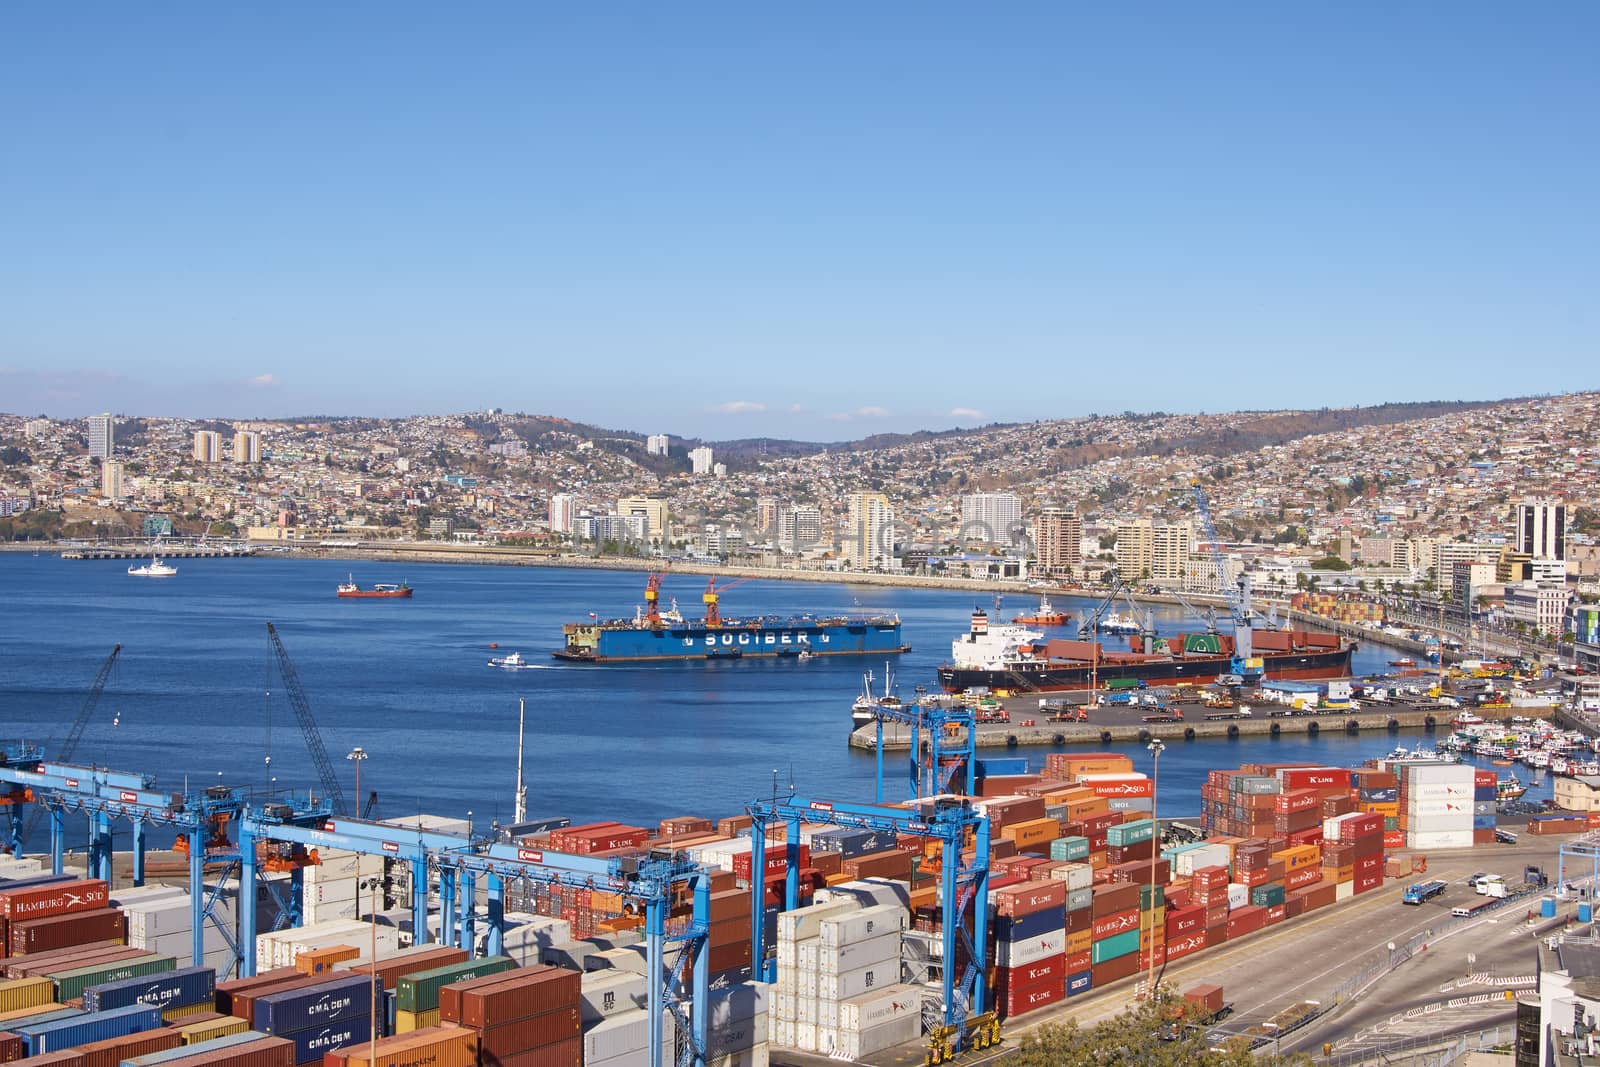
1016,984
1303,877
1185,944
1369,864
562,1054
1297,801
1120,786
1028,898
1312,836
1276,914
1013,1004
1111,925
57,898
1315,778
1245,920
1115,970
777,861
1110,899
1079,961
538,1031
1485,779
1365,882
60,931
11,1048
112,1051
484,1004
1396,839
1185,920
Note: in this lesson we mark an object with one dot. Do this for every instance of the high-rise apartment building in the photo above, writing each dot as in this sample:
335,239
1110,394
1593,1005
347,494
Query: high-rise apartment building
102,436
1541,529
653,510
1058,539
1169,551
700,459
656,444
112,480
562,507
799,528
246,446
869,540
991,518
766,515
207,446
1135,547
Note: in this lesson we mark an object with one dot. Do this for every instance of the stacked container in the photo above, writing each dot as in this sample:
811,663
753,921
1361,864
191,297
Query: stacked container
1436,805
1485,797
521,1018
437,1046
160,920
177,993
331,886
1352,853
40,916
1030,946
319,1018
416,995
831,953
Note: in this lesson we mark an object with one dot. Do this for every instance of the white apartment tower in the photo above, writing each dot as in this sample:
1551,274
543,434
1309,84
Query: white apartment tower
656,444
700,459
246,446
207,446
869,540
112,482
1541,529
799,528
991,518
102,435
562,506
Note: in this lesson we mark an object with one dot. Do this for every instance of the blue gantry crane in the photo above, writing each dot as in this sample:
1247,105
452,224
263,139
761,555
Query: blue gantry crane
965,1020
943,746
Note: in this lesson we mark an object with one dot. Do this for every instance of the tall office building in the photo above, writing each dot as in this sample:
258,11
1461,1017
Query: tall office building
653,510
656,444
991,518
207,446
112,483
1058,539
1542,529
246,446
700,459
869,540
102,435
562,506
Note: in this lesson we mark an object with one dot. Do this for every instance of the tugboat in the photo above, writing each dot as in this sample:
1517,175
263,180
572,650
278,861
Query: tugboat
513,662
154,569
1509,788
1045,616
349,590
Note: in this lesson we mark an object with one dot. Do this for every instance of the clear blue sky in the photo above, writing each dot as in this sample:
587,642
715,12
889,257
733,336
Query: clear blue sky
817,220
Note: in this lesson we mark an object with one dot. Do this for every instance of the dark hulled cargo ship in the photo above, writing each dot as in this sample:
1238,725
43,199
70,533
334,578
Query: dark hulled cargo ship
654,634
1020,660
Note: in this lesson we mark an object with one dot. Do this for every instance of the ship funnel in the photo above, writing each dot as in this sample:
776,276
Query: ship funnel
980,621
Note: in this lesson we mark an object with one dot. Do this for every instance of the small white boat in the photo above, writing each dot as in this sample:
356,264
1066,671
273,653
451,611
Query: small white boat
154,569
513,662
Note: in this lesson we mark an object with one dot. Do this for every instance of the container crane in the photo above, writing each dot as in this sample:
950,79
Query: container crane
1238,598
652,599
712,595
75,733
308,724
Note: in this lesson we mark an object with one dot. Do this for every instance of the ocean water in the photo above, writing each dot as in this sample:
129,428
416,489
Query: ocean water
195,698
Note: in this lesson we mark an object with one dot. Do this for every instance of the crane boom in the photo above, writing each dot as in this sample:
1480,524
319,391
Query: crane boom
75,733
1238,601
308,724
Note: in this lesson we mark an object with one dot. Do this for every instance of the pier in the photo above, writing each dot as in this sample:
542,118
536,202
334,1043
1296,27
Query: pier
166,550
1392,719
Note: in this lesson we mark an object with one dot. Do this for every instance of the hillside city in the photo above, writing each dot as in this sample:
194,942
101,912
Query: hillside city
1490,506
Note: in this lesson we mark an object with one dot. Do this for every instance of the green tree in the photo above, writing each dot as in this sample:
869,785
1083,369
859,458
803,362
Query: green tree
1151,1033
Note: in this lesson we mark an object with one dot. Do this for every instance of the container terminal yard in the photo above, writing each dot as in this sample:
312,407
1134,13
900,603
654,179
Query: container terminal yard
802,929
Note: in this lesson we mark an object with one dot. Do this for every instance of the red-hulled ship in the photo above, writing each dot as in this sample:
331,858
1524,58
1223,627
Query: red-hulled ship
348,589
1020,660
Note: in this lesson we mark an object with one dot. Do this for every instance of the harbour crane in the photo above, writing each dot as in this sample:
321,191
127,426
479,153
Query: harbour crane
712,595
652,599
308,724
1238,598
75,733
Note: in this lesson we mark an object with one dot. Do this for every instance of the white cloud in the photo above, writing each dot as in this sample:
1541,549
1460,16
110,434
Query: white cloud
262,381
872,412
740,407
795,409
965,413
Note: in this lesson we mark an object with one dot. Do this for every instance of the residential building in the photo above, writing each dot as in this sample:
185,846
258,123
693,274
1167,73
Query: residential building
1471,579
112,480
719,470
766,515
207,446
1446,554
1058,540
868,541
799,529
619,528
653,510
1135,548
36,429
102,436
1539,607
1541,529
656,444
562,506
1169,551
991,518
700,459
246,446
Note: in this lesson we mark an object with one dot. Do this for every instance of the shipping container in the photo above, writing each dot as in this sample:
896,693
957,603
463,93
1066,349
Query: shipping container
485,1003
111,1052
170,989
40,901
335,1000
310,1045
70,984
537,1031
26,993
435,1047
420,991
72,928
69,1033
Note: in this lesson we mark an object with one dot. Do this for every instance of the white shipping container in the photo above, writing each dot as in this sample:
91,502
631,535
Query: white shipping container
788,979
855,1044
756,1056
1238,895
827,1015
782,1032
867,892
181,942
641,1058
1344,890
854,983
1439,839
1423,809
784,1005
863,925
1076,875
737,1036
1034,949
1191,860
442,824
744,1000
806,984
1433,773
607,993
133,896
337,864
620,1034
720,854
873,1009
801,923
807,953
861,954
327,912
1438,792
1080,899
805,1010
805,1037
788,954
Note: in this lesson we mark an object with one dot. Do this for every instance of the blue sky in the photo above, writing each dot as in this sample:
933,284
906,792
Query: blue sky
821,221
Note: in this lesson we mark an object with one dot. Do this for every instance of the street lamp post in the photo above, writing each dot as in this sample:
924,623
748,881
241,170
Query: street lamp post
372,917
357,755
1156,747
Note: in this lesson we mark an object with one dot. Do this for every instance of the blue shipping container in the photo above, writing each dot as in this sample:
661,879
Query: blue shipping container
172,989
1081,982
1040,922
1001,768
309,1045
332,1003
1483,793
97,1026
199,1048
1483,822
1380,796
9,884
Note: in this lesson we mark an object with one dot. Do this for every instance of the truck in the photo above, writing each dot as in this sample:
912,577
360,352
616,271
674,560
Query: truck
1202,1006
1492,885
1421,891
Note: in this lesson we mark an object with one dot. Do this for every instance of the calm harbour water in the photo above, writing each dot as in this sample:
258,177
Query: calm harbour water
196,698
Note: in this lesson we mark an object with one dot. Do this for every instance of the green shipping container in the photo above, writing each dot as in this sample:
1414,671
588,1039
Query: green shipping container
420,992
1130,833
1267,896
1148,900
1114,947
71,984
1069,848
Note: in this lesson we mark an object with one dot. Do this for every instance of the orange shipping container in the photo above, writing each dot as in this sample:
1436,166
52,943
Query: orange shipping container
437,1046
1032,833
